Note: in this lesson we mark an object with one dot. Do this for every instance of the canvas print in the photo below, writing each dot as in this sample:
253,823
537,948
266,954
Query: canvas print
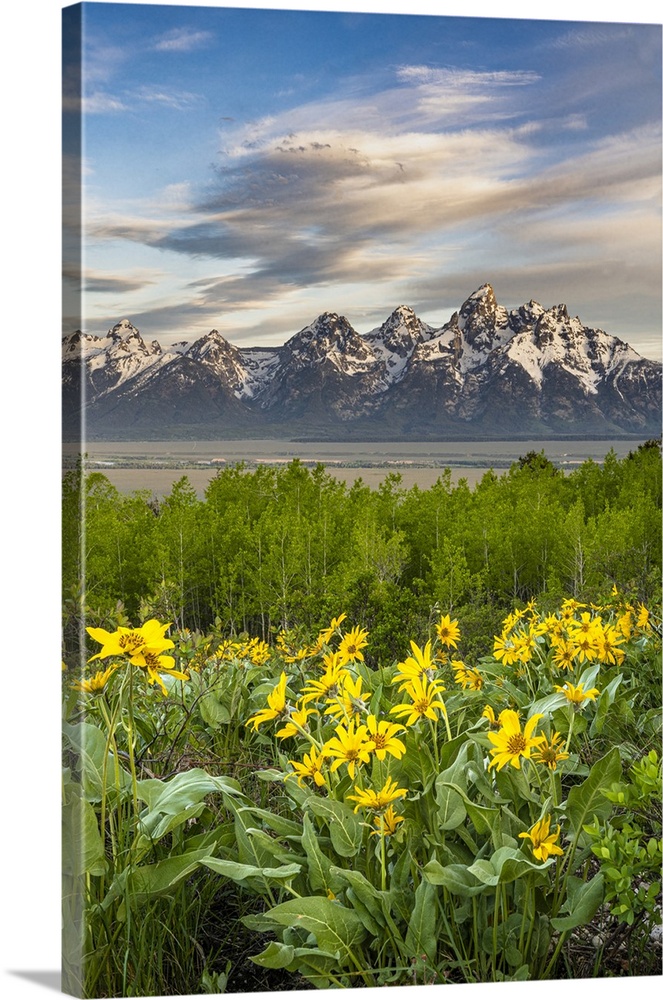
361,500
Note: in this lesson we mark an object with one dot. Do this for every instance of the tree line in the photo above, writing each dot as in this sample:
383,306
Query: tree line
287,548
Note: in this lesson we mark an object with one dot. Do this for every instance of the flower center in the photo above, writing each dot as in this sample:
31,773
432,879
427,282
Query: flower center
516,743
131,641
152,660
421,706
380,740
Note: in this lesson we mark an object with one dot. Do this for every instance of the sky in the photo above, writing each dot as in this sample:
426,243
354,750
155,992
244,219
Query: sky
248,169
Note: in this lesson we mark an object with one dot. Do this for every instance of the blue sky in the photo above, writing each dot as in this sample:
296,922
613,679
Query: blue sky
248,169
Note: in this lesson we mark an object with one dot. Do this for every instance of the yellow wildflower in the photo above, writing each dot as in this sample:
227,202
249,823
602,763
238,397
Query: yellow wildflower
309,767
549,752
505,649
96,684
297,720
377,802
387,823
448,631
326,633
382,736
350,746
129,641
418,665
543,841
351,645
510,743
467,677
576,694
276,700
424,701
349,702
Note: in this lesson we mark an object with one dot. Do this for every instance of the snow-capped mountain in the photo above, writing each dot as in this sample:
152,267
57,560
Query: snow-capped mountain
488,371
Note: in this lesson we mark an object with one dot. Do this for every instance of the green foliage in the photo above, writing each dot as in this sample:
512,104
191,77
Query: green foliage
277,548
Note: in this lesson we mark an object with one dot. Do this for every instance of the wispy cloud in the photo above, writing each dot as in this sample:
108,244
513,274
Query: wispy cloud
182,40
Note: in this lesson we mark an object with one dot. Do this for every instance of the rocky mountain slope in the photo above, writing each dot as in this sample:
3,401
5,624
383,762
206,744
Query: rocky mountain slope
487,372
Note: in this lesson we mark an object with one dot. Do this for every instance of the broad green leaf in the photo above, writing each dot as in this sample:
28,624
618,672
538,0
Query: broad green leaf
145,881
344,828
367,918
213,712
275,956
90,743
451,810
279,824
336,928
82,846
369,897
320,873
421,937
583,900
506,865
587,800
239,872
185,788
456,878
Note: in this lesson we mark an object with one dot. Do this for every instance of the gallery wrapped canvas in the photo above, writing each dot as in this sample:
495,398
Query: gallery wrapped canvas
361,409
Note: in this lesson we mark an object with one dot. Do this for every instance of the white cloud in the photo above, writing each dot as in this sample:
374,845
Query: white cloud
182,40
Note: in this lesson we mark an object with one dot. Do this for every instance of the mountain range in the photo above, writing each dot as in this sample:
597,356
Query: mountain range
488,372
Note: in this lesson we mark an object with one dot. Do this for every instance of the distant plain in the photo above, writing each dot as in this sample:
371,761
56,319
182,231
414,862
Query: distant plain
156,465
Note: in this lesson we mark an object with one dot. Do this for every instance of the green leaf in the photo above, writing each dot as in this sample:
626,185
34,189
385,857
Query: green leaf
239,872
82,846
279,824
320,874
421,937
506,865
139,884
213,712
456,878
275,956
451,808
90,744
344,828
336,928
587,800
583,900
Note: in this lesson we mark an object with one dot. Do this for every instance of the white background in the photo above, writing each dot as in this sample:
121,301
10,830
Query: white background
29,394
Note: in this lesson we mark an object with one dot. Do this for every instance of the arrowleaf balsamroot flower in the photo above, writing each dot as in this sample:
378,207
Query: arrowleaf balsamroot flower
424,701
510,743
448,631
377,802
576,694
349,702
276,700
297,720
505,649
351,645
350,746
329,683
310,767
96,684
326,633
129,641
420,664
382,736
155,664
386,823
543,841
467,677
550,752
